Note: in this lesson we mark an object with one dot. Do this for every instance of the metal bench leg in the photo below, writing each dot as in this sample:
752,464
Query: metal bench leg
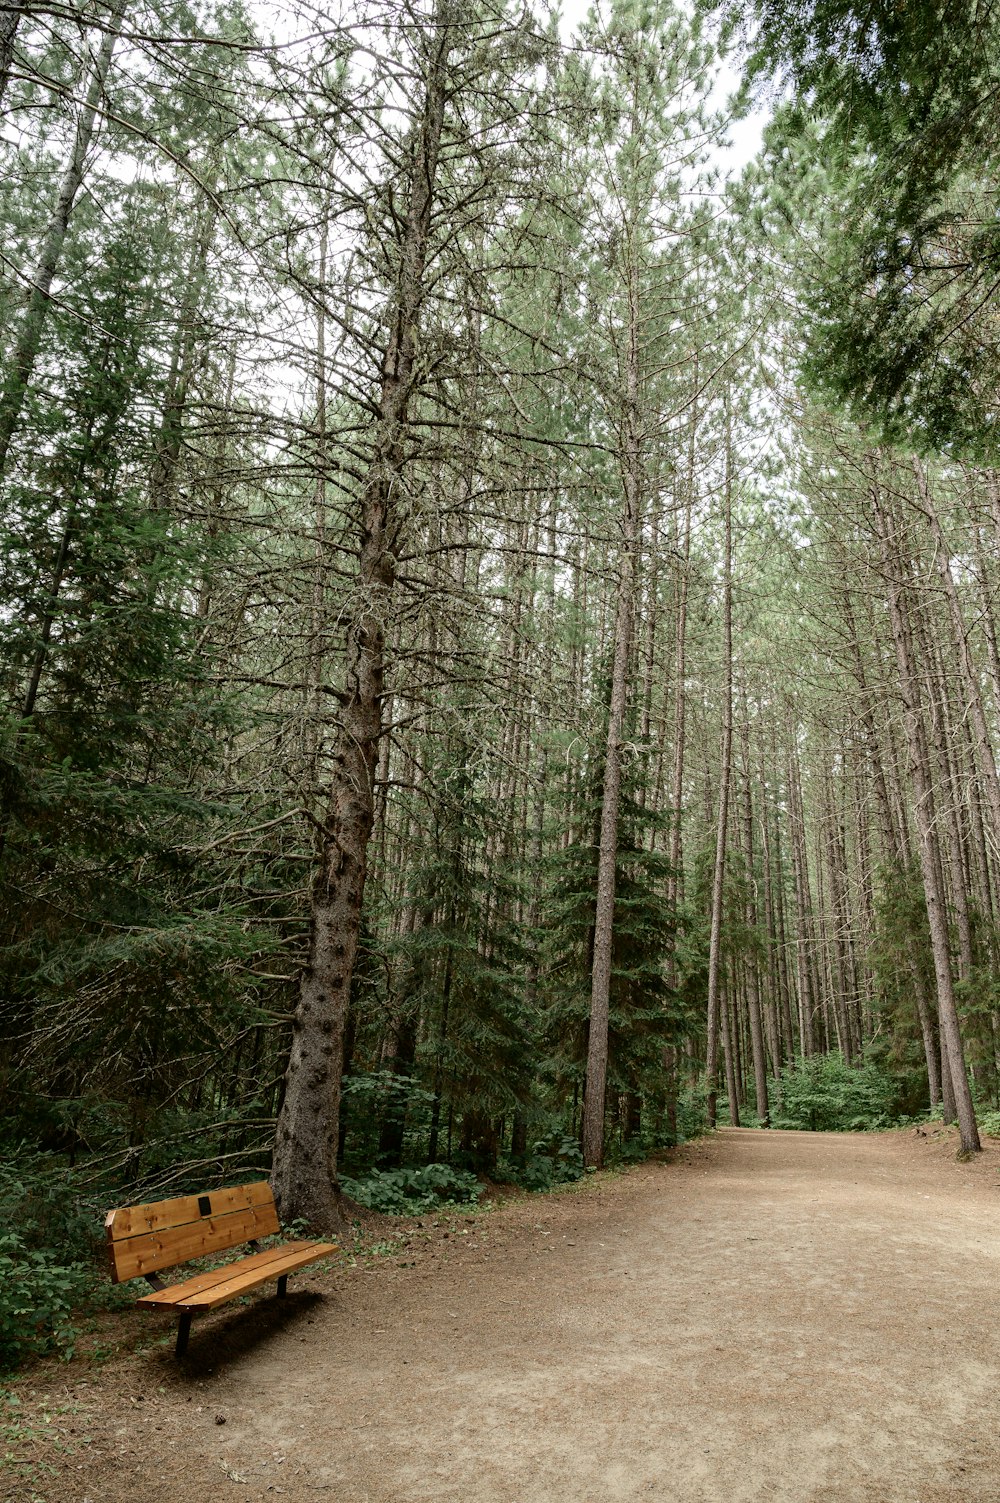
183,1332
283,1286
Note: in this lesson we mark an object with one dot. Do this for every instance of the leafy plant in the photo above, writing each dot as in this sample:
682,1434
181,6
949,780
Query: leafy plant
45,1251
554,1160
825,1094
692,1117
407,1192
37,1295
39,1199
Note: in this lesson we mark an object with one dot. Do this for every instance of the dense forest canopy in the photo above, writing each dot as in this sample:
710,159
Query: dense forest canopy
498,621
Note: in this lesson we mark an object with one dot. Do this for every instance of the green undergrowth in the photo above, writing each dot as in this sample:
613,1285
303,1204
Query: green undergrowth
48,1237
548,1164
825,1094
987,1119
550,1161
409,1192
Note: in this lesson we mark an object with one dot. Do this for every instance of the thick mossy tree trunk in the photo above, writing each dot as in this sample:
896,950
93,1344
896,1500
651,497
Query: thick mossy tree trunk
304,1176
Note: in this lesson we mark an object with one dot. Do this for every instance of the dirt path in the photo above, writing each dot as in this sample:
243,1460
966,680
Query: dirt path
776,1316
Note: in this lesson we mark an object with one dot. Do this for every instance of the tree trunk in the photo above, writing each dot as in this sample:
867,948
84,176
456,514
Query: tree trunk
29,337
803,904
783,967
674,879
9,19
730,1044
772,1013
753,991
304,1173
923,810
837,920
968,674
722,820
896,844
597,1041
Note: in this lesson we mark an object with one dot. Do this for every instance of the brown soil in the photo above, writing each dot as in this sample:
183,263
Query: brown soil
786,1317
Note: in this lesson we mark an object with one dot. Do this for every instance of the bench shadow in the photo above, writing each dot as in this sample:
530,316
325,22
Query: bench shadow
217,1340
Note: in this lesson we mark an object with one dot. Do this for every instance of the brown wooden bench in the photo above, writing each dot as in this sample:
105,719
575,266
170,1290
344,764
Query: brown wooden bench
144,1239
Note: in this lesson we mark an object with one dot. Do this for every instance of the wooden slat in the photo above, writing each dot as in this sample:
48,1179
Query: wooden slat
241,1278
242,1282
154,1250
158,1215
170,1296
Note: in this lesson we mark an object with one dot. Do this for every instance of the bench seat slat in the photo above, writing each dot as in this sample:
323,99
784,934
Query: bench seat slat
240,1283
236,1278
200,1281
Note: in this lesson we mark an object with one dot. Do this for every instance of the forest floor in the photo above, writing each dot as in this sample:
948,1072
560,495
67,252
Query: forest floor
760,1316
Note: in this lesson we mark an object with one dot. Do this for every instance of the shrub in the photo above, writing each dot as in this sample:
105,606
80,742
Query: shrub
989,1123
372,1100
37,1295
824,1094
553,1160
39,1198
46,1247
692,1114
633,1151
408,1192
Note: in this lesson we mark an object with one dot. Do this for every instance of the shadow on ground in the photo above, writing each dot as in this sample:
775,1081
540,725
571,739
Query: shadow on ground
220,1340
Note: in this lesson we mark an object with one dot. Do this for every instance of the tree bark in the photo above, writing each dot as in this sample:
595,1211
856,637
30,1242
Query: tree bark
714,1011
753,989
600,992
930,864
674,879
803,904
36,310
895,837
773,1012
10,16
968,673
304,1173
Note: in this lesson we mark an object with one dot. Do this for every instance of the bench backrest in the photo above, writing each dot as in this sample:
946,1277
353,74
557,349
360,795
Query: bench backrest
142,1239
